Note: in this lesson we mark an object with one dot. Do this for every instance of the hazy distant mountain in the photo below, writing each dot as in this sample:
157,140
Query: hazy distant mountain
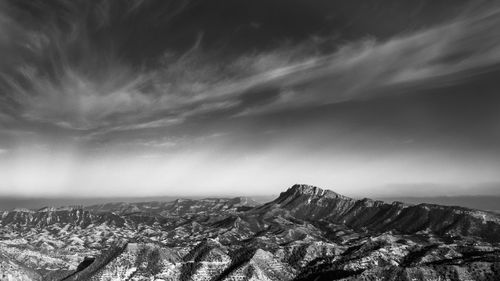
480,202
307,233
9,203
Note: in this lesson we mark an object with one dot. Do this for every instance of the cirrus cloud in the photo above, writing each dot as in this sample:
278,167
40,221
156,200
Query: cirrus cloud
61,76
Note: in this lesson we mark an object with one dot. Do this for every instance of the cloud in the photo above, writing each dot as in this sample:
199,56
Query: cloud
358,69
61,64
300,76
66,75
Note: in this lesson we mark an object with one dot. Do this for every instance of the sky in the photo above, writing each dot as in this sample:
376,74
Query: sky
180,97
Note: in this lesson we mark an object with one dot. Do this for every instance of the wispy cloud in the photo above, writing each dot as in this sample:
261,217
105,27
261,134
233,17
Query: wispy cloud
358,69
297,77
59,75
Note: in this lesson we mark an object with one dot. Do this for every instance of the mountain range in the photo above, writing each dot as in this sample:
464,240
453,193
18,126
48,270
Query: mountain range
307,233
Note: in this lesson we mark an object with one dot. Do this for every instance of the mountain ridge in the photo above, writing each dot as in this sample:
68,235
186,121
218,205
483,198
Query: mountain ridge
313,203
306,233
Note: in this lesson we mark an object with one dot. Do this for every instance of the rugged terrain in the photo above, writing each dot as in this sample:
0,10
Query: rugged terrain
307,233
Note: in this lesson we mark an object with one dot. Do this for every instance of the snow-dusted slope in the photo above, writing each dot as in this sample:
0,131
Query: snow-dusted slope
304,234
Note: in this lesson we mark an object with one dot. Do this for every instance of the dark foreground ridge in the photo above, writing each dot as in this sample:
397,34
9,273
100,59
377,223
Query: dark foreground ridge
307,233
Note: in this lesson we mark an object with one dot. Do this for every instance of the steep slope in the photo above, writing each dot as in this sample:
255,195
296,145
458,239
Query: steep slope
108,259
257,265
206,260
315,204
389,258
209,260
11,270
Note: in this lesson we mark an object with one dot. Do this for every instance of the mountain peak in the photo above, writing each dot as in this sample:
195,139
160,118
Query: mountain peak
311,190
304,193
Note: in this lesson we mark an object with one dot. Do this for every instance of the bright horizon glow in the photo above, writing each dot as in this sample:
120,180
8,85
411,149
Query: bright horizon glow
207,172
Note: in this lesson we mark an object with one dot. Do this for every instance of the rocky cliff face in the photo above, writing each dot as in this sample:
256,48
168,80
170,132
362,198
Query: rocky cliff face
307,233
313,203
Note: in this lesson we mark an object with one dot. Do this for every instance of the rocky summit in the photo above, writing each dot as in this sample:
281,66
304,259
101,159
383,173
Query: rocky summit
307,233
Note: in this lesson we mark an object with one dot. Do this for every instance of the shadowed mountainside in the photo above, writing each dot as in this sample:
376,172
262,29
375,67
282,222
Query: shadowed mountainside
312,203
